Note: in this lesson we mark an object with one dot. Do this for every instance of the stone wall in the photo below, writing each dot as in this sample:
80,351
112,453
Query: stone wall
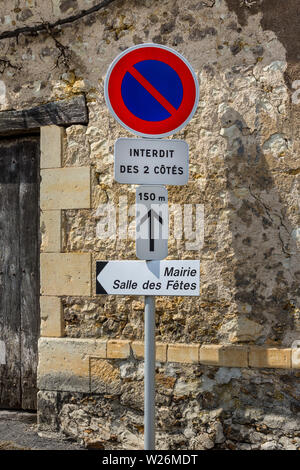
244,172
198,406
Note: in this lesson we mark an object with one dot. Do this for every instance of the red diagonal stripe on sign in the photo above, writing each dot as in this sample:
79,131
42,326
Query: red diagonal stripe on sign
153,91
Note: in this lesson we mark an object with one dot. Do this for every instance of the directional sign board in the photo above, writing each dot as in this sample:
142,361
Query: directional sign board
164,277
152,222
151,90
151,161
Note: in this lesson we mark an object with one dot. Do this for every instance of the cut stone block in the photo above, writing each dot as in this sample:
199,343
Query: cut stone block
296,355
185,353
270,357
64,363
65,188
51,231
65,274
105,376
51,317
138,349
118,349
51,146
210,354
224,355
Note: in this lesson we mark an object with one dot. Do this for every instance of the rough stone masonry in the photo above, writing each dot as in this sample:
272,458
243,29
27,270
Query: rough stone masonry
227,371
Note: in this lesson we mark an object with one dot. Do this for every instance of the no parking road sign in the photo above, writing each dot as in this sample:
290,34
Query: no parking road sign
151,90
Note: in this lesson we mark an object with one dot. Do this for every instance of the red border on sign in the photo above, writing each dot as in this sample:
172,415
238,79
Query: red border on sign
126,116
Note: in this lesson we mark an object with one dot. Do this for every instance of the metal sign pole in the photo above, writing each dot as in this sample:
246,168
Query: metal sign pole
149,374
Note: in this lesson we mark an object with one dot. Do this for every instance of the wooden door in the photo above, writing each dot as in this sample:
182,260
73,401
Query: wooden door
19,271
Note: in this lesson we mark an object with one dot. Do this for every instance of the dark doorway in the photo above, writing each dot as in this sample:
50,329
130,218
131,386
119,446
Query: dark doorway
19,270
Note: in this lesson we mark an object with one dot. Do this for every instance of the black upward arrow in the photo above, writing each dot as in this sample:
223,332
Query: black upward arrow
151,215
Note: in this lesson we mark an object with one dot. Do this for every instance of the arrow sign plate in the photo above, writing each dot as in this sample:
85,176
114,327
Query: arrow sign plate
163,277
152,222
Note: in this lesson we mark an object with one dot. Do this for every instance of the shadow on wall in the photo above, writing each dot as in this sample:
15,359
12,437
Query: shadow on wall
263,197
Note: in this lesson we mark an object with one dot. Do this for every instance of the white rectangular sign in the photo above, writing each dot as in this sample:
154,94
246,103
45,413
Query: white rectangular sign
164,277
152,222
151,161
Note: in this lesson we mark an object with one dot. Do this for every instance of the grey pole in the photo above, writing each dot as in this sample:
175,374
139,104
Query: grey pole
149,374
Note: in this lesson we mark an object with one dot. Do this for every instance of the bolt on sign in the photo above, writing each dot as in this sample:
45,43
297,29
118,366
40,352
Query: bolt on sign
153,92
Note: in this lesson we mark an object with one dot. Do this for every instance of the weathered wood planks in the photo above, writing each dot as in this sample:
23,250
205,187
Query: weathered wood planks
61,113
10,315
19,270
28,152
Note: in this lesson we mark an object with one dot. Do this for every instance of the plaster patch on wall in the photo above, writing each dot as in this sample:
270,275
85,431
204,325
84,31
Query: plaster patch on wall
2,92
296,234
276,144
224,375
277,65
296,94
2,353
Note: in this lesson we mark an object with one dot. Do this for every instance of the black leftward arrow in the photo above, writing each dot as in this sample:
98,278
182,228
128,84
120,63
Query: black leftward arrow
100,265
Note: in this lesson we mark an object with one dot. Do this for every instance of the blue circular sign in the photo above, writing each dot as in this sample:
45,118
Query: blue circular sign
140,101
